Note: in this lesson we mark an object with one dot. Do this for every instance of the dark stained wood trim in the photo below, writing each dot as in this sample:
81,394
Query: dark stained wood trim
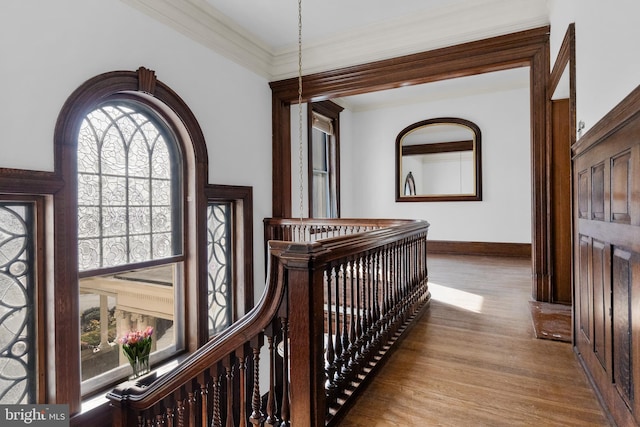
518,250
20,181
540,119
521,49
65,223
615,119
477,196
616,132
281,158
243,216
438,147
566,58
492,54
332,111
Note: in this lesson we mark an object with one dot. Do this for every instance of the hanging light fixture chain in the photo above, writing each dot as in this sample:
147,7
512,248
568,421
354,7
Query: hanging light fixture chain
300,146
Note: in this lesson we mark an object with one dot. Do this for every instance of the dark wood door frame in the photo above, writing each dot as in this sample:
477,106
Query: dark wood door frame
528,48
566,60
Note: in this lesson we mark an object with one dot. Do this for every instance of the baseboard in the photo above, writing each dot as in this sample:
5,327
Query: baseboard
518,250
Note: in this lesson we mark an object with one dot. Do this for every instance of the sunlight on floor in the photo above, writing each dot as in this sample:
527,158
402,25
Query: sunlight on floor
456,298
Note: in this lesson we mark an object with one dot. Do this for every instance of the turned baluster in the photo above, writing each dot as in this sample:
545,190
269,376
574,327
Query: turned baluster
169,414
407,280
272,419
227,362
393,286
242,378
284,409
384,290
398,279
160,422
353,313
216,416
204,400
338,340
191,407
180,409
360,311
330,351
367,336
257,417
346,356
376,303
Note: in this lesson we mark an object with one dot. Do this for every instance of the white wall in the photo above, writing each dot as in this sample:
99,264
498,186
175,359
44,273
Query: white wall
504,215
607,64
50,48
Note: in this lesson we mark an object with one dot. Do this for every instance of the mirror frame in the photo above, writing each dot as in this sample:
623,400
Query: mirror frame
476,196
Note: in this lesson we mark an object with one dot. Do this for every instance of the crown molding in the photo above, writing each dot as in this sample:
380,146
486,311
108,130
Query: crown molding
480,19
202,23
418,33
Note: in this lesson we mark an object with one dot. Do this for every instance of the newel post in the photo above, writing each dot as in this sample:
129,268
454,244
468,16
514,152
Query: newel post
306,334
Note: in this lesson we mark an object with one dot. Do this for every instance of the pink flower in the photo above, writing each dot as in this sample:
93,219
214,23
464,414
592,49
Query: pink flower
133,337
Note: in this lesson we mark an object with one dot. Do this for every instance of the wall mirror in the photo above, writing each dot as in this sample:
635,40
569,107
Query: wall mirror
439,160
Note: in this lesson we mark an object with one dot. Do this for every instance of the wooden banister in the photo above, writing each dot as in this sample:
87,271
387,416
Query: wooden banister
330,311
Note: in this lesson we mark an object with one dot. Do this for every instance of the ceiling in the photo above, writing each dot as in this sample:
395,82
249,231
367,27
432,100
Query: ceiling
262,35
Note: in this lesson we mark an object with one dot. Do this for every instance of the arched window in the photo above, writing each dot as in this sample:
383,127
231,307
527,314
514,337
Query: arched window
131,223
129,234
125,233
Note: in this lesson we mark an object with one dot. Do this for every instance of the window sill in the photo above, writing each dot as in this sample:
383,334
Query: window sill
96,408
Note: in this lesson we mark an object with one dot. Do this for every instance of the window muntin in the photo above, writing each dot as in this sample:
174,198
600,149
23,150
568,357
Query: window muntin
18,352
127,189
129,237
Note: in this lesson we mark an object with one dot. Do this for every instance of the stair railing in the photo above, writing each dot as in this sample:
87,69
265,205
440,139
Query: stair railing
331,311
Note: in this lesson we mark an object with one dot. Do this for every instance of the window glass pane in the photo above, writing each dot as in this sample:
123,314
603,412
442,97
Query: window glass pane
125,188
320,195
319,154
17,319
219,266
129,211
112,305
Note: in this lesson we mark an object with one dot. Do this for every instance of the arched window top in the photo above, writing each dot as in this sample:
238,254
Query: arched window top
117,132
143,90
128,188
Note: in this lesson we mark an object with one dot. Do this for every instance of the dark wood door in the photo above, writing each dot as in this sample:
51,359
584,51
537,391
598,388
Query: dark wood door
560,245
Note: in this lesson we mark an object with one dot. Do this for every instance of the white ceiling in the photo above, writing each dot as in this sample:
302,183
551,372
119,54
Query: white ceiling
276,21
262,35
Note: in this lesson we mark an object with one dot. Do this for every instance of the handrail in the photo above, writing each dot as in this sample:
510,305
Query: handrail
332,306
139,398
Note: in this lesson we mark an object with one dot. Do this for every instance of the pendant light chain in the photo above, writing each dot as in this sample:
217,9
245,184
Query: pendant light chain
300,146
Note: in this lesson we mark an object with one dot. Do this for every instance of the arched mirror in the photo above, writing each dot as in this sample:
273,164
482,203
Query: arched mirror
439,160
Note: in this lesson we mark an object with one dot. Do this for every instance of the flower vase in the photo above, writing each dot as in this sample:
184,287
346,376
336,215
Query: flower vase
140,367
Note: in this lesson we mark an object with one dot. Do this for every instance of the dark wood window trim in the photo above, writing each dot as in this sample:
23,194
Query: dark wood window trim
42,287
525,48
332,111
59,379
242,199
142,86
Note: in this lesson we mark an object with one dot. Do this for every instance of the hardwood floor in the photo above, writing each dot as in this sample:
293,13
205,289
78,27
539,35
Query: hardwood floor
473,360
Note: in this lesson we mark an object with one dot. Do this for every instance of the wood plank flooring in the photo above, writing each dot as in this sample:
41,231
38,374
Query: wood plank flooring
473,360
